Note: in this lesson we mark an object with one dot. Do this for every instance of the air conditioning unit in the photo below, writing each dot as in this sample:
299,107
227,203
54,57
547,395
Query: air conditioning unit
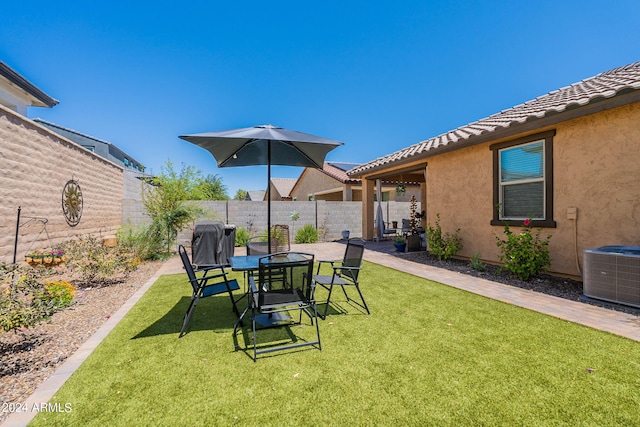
612,273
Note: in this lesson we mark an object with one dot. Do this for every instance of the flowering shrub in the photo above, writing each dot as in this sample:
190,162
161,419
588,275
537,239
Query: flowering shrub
57,295
27,301
525,254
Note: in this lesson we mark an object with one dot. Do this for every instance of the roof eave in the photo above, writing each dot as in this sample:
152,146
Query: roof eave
19,81
574,111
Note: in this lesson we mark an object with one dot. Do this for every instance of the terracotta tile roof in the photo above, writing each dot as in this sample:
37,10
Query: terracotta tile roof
609,84
338,170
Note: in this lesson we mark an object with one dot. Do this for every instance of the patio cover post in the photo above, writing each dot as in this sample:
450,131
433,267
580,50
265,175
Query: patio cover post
367,209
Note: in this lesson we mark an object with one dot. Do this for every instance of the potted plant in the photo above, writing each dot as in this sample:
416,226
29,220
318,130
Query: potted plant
58,256
400,243
34,258
413,239
47,258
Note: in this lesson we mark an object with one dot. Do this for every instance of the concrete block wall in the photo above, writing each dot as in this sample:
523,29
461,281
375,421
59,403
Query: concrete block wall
35,165
330,217
337,217
397,211
133,212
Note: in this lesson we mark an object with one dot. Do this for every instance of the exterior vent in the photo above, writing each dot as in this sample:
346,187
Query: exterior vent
612,273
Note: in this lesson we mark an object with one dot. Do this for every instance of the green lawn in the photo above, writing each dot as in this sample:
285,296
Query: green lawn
427,355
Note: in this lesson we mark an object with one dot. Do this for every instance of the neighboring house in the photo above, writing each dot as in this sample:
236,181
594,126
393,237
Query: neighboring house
332,183
568,159
281,188
255,196
98,146
17,93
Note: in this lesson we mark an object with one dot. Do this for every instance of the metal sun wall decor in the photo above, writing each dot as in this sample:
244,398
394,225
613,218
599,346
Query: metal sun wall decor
72,202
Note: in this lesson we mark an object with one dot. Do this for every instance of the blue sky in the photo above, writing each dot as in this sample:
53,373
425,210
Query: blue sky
378,76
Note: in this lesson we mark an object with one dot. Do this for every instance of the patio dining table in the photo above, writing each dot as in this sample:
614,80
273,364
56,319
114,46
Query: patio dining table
249,263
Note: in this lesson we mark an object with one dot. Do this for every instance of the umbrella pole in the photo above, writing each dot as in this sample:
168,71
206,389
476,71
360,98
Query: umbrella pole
269,196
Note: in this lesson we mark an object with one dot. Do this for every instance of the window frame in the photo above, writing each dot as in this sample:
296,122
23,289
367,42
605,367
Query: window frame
547,139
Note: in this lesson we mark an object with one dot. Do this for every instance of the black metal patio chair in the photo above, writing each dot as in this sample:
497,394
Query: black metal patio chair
283,285
202,288
345,273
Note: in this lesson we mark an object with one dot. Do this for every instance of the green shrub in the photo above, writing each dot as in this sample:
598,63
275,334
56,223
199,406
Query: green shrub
307,234
476,263
443,245
18,306
242,235
139,243
96,262
27,301
525,254
165,203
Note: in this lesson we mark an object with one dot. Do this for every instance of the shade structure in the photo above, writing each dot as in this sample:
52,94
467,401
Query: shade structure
264,145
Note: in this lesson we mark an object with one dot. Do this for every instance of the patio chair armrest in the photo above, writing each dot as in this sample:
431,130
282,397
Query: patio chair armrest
324,261
341,267
210,267
212,276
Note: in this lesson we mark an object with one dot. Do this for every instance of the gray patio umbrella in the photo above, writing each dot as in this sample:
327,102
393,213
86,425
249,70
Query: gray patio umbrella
264,145
379,221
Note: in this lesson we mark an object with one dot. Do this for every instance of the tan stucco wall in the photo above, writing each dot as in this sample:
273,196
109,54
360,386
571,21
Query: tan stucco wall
596,169
35,164
312,181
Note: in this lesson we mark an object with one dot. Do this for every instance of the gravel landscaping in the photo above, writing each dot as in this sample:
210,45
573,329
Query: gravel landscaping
30,356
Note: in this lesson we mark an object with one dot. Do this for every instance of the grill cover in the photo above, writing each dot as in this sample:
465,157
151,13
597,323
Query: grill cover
212,243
